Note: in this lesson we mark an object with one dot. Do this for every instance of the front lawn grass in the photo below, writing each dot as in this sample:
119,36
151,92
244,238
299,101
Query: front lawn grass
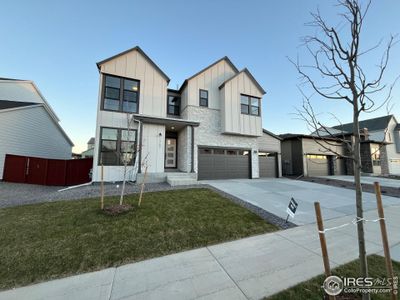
52,240
311,289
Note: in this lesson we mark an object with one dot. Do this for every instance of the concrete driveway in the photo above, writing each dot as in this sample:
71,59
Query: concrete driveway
368,180
273,195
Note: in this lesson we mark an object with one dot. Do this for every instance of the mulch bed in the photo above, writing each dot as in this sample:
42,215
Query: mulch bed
116,209
388,191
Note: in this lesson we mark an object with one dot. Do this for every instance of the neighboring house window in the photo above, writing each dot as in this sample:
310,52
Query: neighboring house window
203,98
249,105
121,94
376,155
116,146
173,105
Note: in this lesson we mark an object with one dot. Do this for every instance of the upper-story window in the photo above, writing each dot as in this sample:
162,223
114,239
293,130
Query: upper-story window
203,98
120,94
249,105
174,105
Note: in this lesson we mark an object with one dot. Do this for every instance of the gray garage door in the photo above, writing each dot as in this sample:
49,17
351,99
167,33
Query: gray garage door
223,163
317,165
268,164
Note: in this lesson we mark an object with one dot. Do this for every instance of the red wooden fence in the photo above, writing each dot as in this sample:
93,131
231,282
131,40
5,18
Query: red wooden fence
45,171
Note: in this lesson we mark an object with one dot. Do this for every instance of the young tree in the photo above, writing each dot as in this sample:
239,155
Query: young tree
128,152
339,73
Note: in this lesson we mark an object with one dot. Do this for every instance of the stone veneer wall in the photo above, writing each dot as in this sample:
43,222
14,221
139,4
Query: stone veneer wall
384,161
209,134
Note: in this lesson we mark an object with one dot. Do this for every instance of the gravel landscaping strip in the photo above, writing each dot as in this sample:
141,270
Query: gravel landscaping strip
267,216
14,194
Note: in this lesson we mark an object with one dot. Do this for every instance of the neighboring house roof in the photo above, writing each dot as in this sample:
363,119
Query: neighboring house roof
136,48
91,140
245,70
88,152
226,58
4,104
31,97
397,127
272,134
289,136
375,124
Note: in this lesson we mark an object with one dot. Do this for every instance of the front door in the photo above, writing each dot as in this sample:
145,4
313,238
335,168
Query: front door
170,153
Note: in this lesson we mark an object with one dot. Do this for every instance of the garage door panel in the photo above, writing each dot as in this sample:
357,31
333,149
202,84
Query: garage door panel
317,165
222,164
267,166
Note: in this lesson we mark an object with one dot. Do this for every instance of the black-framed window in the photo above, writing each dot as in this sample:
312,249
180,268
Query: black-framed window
203,94
116,146
249,105
121,94
174,105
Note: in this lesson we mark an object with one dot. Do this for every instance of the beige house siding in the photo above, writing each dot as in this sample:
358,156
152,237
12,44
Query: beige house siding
234,121
153,86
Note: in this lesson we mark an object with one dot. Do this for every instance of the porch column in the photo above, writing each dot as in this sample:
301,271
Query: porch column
140,147
192,152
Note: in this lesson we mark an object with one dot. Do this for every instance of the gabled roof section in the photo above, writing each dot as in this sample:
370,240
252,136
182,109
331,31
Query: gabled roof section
30,100
136,48
91,140
245,70
272,134
226,58
375,124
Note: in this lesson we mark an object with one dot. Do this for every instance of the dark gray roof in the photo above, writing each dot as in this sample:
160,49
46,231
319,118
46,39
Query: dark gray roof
5,104
137,48
226,58
398,127
91,141
271,134
245,70
374,124
289,136
12,79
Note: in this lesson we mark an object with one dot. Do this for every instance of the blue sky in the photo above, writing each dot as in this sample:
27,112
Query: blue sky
57,43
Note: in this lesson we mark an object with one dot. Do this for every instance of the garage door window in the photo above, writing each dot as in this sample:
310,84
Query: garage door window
243,152
313,156
231,152
219,151
205,151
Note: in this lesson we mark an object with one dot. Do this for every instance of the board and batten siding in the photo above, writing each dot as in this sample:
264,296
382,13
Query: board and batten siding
310,146
233,120
30,131
153,86
209,80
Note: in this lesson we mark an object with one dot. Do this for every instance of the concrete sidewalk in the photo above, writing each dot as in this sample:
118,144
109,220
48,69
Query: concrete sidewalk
249,268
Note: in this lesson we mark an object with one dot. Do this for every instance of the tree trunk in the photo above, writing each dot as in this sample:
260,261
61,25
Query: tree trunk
121,199
359,204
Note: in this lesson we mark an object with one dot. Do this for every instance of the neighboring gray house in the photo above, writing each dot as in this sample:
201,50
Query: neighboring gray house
28,125
211,128
380,148
90,149
380,144
305,155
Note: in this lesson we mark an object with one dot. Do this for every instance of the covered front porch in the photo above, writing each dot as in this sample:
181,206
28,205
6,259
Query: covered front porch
166,147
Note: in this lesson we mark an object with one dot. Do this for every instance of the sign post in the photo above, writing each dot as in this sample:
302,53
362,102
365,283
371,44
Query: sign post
291,209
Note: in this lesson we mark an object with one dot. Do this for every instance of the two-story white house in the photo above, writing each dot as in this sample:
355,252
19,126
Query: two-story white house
211,128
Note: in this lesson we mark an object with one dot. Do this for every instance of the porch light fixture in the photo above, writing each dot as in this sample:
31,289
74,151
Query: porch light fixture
172,127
